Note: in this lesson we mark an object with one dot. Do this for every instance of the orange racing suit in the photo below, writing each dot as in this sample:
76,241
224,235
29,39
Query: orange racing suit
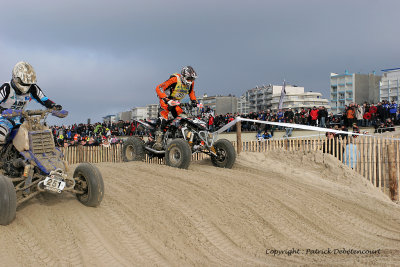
173,89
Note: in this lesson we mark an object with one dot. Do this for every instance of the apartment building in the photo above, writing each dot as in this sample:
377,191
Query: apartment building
296,100
259,98
353,88
110,119
243,105
152,111
389,85
125,115
267,97
220,104
139,113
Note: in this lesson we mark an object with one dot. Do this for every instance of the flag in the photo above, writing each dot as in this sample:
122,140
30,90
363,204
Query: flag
283,93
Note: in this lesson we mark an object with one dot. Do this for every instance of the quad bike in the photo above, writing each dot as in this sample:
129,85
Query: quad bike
183,136
31,164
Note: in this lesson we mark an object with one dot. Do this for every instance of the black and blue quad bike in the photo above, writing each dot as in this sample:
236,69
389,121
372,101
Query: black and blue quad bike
31,164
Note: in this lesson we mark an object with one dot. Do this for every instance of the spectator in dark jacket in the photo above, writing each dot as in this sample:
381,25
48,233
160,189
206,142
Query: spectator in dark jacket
322,115
289,115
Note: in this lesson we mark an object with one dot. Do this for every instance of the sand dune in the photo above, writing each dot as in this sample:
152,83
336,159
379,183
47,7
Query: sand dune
206,216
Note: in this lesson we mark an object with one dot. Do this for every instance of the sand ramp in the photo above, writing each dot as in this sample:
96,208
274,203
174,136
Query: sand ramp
157,215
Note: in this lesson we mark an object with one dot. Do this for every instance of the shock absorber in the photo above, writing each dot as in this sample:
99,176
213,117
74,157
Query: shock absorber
189,137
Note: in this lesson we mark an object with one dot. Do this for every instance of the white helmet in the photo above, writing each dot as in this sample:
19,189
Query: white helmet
188,75
23,76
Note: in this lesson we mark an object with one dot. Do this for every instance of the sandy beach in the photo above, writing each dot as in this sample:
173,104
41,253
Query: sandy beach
269,210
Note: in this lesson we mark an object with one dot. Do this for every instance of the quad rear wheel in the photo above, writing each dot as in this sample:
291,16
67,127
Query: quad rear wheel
133,149
178,154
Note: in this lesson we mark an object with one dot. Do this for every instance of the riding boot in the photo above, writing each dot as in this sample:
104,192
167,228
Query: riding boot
159,134
158,137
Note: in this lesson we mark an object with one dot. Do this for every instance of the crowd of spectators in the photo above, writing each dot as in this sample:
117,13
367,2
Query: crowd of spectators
104,134
382,117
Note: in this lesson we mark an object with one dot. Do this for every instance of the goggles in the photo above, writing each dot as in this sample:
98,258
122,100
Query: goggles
22,83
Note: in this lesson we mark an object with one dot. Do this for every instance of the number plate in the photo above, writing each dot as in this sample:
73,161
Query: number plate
53,184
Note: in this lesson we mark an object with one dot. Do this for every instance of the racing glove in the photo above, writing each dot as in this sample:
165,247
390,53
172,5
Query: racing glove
57,107
194,103
165,99
170,102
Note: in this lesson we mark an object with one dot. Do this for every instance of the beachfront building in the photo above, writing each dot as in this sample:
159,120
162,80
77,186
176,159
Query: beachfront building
353,88
139,113
266,97
152,111
297,100
143,113
110,119
124,115
259,98
220,104
389,85
243,105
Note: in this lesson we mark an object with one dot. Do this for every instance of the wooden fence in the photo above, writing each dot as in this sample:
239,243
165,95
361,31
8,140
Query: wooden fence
377,159
113,153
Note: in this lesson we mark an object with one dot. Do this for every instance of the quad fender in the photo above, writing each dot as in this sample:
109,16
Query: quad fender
21,139
46,162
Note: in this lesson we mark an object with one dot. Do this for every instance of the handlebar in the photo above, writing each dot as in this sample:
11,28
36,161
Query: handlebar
10,113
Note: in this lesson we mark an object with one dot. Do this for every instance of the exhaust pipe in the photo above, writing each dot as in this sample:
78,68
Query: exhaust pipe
154,151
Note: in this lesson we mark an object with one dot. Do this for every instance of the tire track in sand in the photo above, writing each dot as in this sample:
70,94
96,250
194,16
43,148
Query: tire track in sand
65,239
132,240
215,236
28,243
97,246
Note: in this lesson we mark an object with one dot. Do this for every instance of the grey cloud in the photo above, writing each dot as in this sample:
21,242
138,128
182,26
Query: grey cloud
84,49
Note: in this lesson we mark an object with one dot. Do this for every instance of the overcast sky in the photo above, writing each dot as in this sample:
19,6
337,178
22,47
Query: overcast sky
97,57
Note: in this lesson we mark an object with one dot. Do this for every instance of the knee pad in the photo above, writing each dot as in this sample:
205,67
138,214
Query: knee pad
2,139
5,129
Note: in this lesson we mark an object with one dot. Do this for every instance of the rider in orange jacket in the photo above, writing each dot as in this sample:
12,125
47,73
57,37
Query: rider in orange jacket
175,88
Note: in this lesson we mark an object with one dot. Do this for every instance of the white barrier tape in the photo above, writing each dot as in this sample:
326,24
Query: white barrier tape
301,126
227,126
305,136
294,137
297,126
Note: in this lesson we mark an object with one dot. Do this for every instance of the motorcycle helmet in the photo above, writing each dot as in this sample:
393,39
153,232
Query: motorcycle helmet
23,76
188,75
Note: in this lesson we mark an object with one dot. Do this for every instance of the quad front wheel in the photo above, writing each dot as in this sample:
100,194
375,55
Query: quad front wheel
8,201
88,179
226,155
178,154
